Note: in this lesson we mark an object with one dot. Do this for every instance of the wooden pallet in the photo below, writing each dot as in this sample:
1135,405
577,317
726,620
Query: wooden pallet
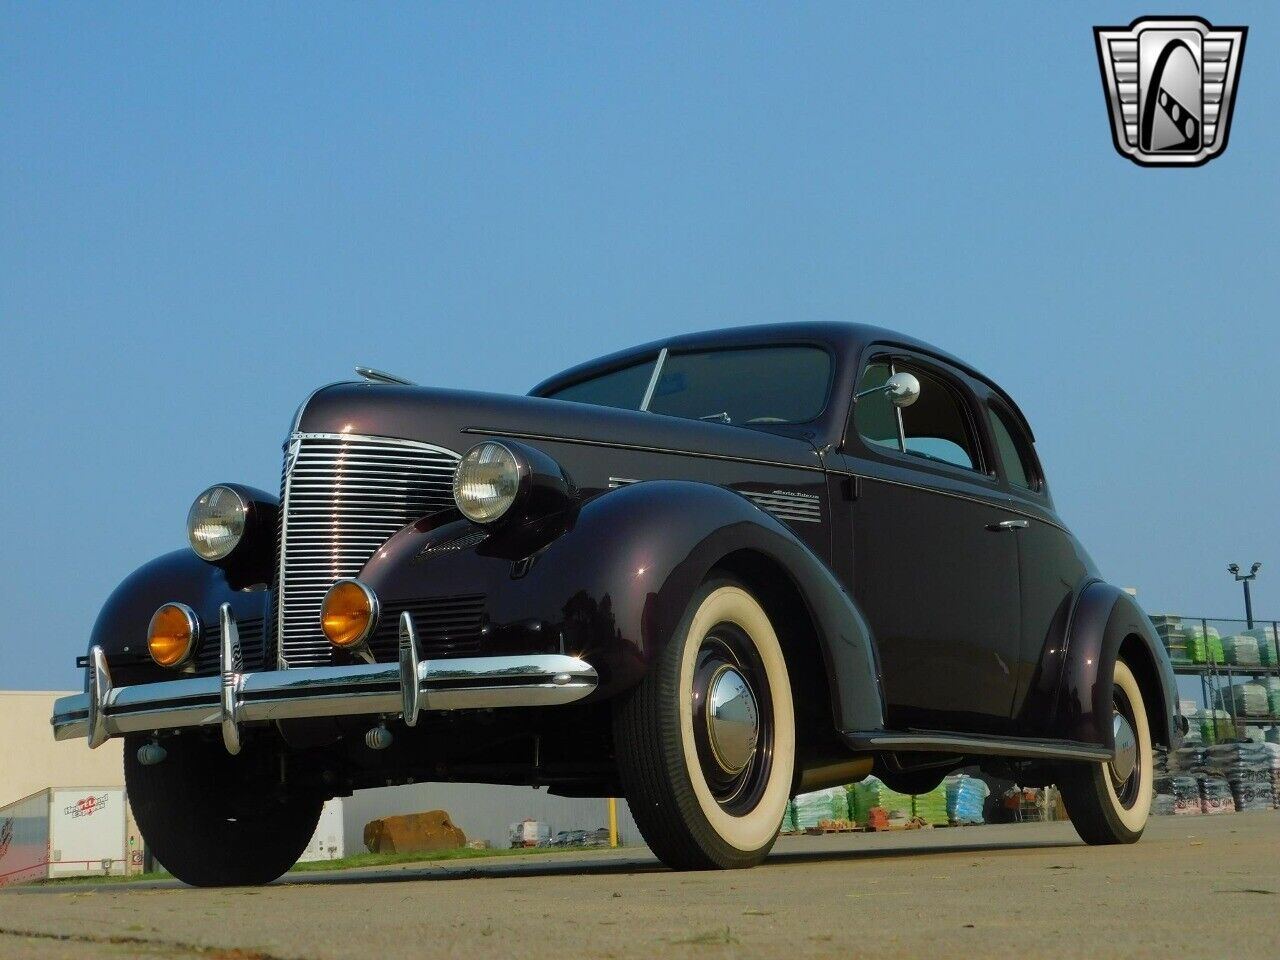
916,824
821,831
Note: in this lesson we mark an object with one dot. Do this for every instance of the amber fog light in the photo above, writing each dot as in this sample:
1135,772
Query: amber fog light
173,635
349,614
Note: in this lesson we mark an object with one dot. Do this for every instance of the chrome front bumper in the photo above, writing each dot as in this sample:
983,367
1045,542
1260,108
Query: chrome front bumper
401,689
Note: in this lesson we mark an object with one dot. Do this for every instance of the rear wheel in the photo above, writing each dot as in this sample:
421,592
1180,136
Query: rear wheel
200,817
706,742
1110,802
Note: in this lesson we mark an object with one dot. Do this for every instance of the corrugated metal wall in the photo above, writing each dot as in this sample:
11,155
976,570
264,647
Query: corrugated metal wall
483,811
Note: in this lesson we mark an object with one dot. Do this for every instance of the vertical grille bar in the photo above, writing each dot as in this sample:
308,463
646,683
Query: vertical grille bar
343,496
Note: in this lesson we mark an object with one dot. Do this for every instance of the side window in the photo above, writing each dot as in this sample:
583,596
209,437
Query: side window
1019,465
874,417
935,427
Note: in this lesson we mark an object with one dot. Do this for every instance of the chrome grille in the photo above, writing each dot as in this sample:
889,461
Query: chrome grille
446,627
343,496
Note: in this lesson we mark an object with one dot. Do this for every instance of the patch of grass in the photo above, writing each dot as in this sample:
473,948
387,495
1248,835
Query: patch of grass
459,853
102,878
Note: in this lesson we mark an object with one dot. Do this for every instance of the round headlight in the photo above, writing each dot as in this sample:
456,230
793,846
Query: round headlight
487,482
215,524
173,634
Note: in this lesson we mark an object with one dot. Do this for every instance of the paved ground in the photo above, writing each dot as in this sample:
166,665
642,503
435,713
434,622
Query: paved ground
1206,886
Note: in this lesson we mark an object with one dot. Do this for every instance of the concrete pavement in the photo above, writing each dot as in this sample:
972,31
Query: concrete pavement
1207,886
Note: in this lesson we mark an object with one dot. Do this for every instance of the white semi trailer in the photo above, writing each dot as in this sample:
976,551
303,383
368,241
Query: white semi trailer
66,832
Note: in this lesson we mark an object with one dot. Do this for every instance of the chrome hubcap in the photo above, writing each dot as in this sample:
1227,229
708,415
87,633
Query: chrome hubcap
1126,759
733,720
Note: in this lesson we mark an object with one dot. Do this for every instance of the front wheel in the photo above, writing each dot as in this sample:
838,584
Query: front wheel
706,742
1110,802
204,821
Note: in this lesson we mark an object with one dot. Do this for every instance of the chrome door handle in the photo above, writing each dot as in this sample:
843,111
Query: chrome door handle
1007,525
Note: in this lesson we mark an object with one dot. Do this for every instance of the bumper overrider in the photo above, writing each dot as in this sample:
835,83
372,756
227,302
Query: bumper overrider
397,689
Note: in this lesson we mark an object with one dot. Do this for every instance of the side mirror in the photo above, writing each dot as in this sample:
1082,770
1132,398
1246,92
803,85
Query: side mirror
902,389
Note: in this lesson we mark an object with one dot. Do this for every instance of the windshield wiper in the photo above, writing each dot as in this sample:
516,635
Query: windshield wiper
721,417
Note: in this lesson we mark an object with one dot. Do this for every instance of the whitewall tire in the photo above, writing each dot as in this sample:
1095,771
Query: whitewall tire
1110,802
706,742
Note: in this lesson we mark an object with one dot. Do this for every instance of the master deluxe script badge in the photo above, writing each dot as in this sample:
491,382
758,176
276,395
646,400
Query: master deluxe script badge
1170,83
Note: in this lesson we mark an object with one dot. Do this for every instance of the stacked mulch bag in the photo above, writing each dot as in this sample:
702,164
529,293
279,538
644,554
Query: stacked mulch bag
931,807
1268,654
1245,699
866,796
1247,769
1181,781
966,796
1215,795
1272,686
821,807
1241,650
1173,636
1273,762
1214,726
1162,802
1204,644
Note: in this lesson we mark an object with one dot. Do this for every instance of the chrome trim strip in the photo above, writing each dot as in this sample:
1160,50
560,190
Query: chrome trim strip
995,504
788,506
973,744
653,379
639,448
465,683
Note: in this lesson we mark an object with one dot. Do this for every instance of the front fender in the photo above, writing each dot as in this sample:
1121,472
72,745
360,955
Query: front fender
1105,617
121,627
610,581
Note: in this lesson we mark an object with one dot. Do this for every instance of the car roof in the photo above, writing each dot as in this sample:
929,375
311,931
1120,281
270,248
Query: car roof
844,339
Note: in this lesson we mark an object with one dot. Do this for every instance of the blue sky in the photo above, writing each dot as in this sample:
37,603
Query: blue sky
207,211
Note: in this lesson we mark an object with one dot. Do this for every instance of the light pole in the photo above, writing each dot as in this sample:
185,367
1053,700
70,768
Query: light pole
1246,579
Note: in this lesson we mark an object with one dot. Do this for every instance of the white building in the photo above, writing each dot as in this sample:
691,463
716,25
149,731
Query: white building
31,760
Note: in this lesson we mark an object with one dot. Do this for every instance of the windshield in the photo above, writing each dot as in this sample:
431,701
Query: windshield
745,386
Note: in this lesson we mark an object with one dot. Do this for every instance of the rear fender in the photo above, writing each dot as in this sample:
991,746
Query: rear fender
1105,619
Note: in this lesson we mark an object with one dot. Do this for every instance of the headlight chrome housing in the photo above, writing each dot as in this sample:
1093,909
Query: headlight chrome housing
488,482
505,481
173,635
216,522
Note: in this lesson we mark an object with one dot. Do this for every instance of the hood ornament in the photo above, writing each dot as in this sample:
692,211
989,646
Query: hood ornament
370,375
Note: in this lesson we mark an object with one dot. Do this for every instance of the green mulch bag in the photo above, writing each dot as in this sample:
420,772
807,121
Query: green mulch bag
898,805
1204,646
931,807
862,797
813,808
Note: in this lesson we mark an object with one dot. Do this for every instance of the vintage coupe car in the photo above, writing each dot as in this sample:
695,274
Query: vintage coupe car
704,574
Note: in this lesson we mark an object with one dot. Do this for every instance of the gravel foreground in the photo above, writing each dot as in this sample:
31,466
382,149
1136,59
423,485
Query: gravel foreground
1196,885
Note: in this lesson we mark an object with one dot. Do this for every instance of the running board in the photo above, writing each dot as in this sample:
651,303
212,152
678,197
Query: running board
935,741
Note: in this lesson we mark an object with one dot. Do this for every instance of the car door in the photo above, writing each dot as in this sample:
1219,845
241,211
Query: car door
1054,567
935,554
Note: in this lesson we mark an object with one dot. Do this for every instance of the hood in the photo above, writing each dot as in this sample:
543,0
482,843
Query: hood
457,419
